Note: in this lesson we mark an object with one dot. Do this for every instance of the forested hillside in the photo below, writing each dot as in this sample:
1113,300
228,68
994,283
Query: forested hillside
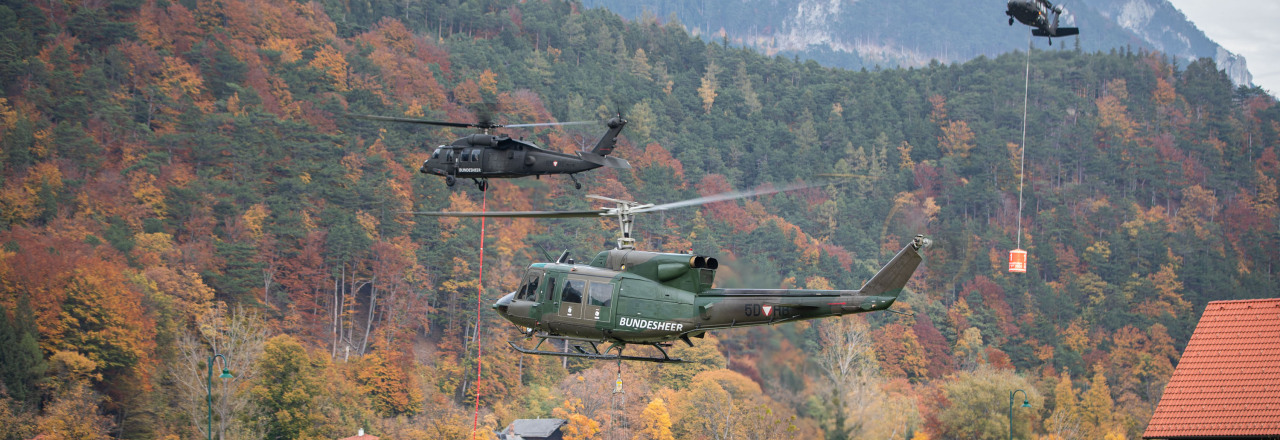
180,178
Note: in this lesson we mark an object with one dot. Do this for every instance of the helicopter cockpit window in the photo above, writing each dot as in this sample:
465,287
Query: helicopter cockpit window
573,291
529,289
436,154
601,294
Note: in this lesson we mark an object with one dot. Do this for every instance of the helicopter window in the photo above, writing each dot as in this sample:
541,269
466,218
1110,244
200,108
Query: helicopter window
573,291
550,287
436,154
475,155
530,287
524,289
465,156
601,294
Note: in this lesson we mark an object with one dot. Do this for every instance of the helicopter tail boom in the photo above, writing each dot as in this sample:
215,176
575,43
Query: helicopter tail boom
610,138
607,161
891,278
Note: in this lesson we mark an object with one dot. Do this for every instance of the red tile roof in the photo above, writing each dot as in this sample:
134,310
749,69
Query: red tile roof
1228,380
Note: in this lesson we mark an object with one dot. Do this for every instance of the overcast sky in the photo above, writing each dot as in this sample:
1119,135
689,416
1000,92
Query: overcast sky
1245,27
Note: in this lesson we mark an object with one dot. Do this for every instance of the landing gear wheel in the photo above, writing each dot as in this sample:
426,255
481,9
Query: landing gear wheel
576,184
449,181
483,184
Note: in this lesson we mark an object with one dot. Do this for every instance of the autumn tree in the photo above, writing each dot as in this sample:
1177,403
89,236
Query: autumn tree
577,426
238,335
977,405
285,395
655,423
707,91
847,360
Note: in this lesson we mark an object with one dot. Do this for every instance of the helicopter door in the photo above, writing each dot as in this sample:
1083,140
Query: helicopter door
571,299
599,301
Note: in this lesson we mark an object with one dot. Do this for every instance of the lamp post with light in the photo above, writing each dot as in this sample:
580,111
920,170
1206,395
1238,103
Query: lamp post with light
1025,404
226,374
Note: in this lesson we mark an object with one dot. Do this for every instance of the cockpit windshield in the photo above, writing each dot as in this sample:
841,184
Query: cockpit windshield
529,288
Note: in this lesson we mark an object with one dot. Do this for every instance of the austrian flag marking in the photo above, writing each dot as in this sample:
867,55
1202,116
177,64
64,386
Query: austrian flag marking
767,309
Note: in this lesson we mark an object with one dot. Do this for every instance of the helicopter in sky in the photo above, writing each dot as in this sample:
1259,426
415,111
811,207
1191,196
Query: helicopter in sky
483,156
1036,13
625,296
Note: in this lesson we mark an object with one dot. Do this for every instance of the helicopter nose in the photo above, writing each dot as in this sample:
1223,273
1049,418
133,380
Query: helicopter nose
504,302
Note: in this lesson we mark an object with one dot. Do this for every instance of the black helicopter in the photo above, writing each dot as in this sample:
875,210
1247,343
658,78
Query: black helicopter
483,156
625,296
1035,13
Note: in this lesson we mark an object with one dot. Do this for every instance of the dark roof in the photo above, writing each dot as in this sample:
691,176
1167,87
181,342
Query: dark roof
1227,383
535,428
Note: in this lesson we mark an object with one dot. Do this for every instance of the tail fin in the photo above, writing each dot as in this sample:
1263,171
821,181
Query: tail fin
891,278
610,139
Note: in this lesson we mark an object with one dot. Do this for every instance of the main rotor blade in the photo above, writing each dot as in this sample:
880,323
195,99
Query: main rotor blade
732,195
599,197
548,124
416,121
516,214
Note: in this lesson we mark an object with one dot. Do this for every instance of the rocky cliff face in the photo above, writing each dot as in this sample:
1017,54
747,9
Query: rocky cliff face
1164,28
868,33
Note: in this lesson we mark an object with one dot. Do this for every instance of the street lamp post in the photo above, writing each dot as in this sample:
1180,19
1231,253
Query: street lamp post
1025,404
226,374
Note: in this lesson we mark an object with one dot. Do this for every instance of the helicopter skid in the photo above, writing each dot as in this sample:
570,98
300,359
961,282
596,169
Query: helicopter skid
594,352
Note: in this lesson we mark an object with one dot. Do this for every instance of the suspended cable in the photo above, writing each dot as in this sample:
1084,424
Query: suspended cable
484,207
1022,161
1017,256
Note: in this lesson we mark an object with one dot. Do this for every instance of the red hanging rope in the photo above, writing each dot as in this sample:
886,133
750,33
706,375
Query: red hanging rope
484,205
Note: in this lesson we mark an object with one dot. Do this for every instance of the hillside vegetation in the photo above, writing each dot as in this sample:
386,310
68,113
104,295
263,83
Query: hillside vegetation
179,178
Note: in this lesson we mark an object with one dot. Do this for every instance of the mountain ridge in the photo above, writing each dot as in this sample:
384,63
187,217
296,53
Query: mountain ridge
870,33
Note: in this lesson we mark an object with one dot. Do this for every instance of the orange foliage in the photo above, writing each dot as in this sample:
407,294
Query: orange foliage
728,212
655,155
404,60
171,27
899,351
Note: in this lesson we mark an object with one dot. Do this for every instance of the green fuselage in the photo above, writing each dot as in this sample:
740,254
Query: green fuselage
627,296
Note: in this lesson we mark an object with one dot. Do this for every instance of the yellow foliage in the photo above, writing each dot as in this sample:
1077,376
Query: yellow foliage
333,64
183,80
579,427
288,48
488,81
904,150
956,139
253,219
707,91
655,422
1075,337
369,224
145,190
8,116
151,246
817,283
